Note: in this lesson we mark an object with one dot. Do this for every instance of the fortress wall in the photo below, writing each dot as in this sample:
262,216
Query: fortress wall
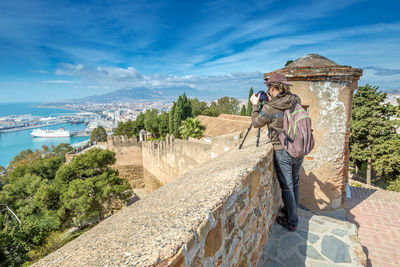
128,155
128,150
169,159
133,173
210,216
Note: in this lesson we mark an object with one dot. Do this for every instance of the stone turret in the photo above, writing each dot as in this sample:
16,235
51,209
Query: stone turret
326,89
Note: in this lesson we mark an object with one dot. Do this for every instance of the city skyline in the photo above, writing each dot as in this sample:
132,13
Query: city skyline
54,51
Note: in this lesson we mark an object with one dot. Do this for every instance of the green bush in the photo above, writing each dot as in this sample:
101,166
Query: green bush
394,185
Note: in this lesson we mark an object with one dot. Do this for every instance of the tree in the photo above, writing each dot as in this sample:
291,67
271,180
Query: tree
131,128
288,62
178,116
99,134
371,128
243,111
171,119
191,127
187,107
89,188
151,122
199,107
163,125
249,104
181,110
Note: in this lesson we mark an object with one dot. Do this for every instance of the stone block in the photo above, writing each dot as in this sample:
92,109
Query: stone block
203,229
254,182
335,249
229,224
213,241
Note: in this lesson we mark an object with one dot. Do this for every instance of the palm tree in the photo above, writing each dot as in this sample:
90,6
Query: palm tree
191,127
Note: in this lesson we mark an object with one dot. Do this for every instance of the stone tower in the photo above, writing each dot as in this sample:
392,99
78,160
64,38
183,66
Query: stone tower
326,90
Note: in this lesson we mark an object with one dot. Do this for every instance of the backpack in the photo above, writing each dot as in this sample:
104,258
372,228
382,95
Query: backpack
296,137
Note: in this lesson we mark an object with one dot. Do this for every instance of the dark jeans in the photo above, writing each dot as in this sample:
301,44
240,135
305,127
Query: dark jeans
288,170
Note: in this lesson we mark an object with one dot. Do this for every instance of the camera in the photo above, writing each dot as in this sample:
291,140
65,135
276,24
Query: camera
263,96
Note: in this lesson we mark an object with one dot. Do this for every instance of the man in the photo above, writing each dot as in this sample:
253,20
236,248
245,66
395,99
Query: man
287,168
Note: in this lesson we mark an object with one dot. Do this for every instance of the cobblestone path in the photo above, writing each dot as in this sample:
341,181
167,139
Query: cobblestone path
377,214
319,241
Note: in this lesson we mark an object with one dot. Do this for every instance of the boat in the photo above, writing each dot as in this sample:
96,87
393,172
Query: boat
60,133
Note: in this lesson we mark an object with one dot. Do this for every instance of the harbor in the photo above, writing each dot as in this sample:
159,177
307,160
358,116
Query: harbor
16,130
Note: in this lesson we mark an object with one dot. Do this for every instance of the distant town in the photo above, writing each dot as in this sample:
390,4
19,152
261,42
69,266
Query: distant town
107,115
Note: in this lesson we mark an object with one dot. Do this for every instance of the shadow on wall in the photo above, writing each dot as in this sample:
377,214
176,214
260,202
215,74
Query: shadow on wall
318,198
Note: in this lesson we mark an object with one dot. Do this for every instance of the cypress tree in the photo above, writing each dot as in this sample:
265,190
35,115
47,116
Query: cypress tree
187,107
171,119
243,111
249,105
178,114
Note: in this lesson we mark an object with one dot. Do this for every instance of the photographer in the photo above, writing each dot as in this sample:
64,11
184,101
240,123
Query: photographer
287,167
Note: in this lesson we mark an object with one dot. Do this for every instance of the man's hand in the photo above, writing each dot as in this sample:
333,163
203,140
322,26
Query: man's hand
255,99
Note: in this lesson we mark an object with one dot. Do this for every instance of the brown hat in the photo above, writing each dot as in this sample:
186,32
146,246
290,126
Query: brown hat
277,78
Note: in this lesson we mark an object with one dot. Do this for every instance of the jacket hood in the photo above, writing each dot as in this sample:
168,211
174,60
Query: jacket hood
283,102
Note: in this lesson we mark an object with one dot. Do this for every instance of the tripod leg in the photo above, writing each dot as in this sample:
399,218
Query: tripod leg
248,130
258,137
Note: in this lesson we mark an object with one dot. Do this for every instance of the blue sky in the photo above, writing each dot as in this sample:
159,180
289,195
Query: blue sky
56,50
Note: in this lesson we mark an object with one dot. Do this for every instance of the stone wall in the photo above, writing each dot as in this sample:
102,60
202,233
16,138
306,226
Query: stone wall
235,232
169,159
133,173
326,89
211,215
128,155
128,150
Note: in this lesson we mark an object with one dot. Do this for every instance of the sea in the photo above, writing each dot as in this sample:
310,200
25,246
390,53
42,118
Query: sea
11,144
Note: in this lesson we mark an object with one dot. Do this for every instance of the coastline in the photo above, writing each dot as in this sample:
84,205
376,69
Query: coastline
56,107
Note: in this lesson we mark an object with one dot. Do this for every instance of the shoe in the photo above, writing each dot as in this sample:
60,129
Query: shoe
284,211
282,220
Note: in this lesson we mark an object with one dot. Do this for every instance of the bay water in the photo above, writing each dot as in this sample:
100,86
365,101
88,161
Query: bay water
14,142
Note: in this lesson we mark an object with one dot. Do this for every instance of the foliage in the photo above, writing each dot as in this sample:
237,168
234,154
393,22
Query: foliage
394,185
89,188
171,118
99,134
224,105
48,196
131,128
191,127
151,122
163,124
182,109
373,135
288,62
199,107
249,104
243,111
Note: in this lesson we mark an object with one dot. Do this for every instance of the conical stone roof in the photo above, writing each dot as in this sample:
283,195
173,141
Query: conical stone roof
314,67
312,60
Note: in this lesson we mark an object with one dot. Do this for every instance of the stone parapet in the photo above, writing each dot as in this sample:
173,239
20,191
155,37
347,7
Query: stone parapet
211,215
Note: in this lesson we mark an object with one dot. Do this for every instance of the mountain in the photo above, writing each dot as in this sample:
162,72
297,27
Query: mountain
143,93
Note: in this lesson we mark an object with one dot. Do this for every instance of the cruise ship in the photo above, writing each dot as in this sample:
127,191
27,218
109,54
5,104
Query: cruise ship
51,133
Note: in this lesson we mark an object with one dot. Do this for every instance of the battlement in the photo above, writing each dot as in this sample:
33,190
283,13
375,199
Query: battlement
121,140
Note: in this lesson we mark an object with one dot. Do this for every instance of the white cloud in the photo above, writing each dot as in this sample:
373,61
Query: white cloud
106,79
59,81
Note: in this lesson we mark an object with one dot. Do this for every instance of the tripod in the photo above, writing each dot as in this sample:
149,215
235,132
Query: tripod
248,130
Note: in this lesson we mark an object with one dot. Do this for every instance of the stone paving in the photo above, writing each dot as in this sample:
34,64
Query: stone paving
377,214
321,240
